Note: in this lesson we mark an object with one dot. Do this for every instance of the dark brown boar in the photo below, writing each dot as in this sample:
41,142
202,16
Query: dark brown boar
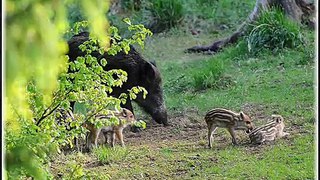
140,73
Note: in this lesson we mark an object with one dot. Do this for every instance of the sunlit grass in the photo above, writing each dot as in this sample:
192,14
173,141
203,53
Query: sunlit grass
107,155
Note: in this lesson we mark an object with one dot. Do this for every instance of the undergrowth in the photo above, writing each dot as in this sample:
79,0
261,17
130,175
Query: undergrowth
274,31
107,155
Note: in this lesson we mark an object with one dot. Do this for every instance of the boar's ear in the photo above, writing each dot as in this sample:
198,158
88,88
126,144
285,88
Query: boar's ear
149,71
154,63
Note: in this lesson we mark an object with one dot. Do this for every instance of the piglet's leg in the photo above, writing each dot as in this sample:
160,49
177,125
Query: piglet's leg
283,134
231,131
211,129
92,140
120,136
113,139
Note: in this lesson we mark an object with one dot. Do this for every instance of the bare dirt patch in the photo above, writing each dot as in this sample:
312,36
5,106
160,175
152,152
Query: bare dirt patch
189,126
183,127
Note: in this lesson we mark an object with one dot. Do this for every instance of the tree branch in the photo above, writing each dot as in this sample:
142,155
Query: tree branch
45,114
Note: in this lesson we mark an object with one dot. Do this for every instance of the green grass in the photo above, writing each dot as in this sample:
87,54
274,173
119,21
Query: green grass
107,155
275,162
287,159
257,80
208,16
273,30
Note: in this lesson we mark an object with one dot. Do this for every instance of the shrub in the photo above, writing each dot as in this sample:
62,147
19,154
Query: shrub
210,76
206,2
74,13
166,14
33,130
177,84
274,31
76,170
134,5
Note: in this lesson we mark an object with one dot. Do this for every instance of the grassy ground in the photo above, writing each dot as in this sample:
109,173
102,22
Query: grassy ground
260,85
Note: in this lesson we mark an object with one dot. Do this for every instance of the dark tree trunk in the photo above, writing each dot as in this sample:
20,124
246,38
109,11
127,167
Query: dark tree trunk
300,11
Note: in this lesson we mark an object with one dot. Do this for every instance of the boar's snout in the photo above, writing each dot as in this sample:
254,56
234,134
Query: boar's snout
161,117
154,105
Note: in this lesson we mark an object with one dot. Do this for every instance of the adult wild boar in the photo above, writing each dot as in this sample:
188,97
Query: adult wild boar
140,73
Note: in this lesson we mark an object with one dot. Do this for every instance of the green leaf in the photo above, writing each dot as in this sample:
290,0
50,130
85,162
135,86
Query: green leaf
127,20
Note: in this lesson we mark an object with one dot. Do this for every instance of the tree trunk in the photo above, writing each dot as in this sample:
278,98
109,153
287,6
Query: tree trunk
300,11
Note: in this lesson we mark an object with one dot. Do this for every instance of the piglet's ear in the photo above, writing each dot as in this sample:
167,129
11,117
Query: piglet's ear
124,112
276,118
241,115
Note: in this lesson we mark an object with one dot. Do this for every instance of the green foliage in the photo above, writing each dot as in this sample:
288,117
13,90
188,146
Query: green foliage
214,16
207,73
205,2
204,15
133,5
33,43
27,152
89,84
74,13
274,31
140,124
38,96
139,34
209,76
178,84
157,15
166,14
75,170
76,27
107,155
